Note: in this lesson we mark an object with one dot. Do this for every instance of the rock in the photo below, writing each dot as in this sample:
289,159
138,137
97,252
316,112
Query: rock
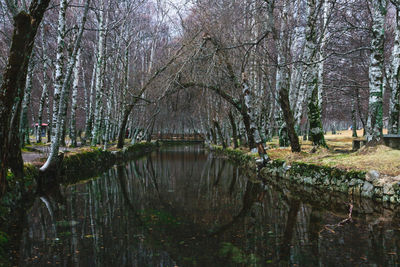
372,175
286,167
367,190
388,189
357,190
353,182
308,180
378,183
344,188
396,187
378,192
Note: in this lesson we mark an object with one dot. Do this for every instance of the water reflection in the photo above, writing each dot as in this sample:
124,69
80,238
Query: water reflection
184,207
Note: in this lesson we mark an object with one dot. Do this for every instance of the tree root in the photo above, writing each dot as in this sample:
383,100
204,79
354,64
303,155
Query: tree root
331,227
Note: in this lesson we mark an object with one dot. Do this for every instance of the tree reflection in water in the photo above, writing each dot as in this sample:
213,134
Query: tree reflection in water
183,206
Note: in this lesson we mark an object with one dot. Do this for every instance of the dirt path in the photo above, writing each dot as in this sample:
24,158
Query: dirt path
36,152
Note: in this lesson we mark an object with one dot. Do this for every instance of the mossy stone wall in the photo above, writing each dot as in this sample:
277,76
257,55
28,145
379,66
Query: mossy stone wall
356,183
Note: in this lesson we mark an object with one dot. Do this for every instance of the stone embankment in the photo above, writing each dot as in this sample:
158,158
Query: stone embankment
369,184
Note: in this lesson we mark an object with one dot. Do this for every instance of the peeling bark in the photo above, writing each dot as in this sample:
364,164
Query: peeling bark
74,104
394,106
375,107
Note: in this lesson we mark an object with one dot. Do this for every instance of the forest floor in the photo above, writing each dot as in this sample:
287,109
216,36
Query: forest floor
340,154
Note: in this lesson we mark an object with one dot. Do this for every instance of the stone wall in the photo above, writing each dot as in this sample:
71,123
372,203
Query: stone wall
357,183
370,184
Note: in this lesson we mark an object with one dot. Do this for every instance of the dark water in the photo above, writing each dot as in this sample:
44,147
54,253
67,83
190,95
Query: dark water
184,207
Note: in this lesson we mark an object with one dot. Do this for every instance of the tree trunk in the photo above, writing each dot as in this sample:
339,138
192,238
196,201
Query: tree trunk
99,76
234,129
51,160
25,28
289,119
74,105
316,133
354,120
283,83
59,69
394,106
89,99
375,107
44,95
220,135
122,128
24,127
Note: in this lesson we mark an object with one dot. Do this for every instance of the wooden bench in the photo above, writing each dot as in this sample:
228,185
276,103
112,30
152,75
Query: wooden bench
392,140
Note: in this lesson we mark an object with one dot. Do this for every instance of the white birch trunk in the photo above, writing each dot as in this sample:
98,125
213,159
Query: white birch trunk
309,55
55,145
325,10
308,94
74,104
375,114
24,127
44,95
249,103
109,109
394,107
89,105
99,76
59,67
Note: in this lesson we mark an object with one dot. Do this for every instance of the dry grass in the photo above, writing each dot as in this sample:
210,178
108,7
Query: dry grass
340,154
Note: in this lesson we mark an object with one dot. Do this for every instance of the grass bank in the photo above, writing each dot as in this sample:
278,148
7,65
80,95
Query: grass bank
371,172
382,159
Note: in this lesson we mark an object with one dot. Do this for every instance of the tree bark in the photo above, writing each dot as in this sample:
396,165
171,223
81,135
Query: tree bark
25,28
375,107
316,133
289,118
74,105
394,106
283,83
234,129
99,76
219,132
59,69
354,120
24,127
121,133
55,145
44,95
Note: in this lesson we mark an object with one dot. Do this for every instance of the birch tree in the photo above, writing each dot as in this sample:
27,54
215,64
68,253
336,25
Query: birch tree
59,77
394,105
45,94
55,145
375,107
98,108
282,76
24,127
310,84
74,104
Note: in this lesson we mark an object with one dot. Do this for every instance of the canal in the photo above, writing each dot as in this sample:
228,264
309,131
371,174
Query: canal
184,206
